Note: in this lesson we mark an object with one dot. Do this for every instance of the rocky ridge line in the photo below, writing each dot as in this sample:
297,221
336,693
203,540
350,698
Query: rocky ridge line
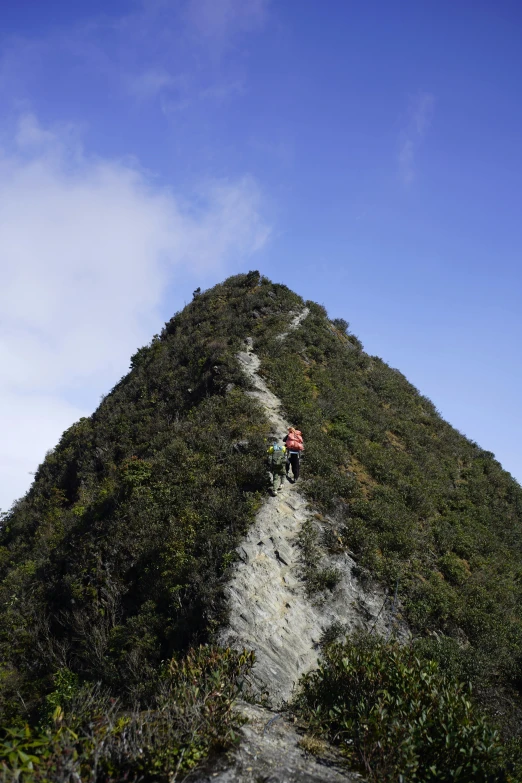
271,613
261,618
269,609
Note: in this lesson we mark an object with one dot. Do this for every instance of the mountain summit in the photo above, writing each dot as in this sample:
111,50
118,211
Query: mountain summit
148,560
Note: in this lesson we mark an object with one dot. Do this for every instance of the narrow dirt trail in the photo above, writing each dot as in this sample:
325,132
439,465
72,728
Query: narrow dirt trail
270,611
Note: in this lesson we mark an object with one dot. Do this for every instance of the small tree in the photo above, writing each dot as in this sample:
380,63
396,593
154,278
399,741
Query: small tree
341,324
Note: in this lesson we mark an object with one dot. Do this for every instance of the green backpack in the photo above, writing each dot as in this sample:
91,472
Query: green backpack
278,454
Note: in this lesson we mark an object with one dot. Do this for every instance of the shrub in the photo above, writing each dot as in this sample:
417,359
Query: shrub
324,579
190,718
115,559
341,324
318,578
397,716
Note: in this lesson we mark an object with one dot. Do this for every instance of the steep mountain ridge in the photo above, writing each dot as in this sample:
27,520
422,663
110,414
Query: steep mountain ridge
270,610
148,530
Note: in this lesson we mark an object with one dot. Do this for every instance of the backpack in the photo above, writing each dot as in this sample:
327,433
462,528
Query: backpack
277,454
294,441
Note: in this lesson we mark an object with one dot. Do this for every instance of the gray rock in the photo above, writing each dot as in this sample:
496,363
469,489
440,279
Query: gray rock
269,609
295,323
271,613
269,751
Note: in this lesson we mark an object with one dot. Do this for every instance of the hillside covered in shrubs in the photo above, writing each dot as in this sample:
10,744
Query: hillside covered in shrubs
112,567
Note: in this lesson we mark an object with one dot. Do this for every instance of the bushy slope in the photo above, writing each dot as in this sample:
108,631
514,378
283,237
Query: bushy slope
116,558
398,717
421,505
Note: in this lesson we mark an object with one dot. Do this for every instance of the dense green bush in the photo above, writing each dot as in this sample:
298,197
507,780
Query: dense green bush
190,718
412,498
399,717
317,576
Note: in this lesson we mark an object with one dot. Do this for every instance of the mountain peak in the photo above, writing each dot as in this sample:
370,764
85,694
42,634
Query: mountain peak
150,529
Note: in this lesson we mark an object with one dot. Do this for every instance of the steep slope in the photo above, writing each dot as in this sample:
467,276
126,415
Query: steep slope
149,528
116,557
270,610
421,506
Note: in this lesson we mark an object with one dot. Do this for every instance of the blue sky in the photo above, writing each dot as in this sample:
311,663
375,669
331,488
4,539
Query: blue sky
365,154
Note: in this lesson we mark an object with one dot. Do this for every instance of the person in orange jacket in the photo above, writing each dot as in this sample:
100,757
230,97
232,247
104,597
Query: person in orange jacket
294,448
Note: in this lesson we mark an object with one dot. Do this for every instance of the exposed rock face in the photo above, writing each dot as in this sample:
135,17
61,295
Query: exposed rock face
272,405
295,323
269,751
270,611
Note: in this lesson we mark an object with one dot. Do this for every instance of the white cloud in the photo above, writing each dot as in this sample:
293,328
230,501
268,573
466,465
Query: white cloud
150,83
418,121
406,160
87,248
221,20
422,111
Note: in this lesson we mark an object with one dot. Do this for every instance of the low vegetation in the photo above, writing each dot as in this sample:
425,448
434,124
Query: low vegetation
116,558
89,736
318,577
398,717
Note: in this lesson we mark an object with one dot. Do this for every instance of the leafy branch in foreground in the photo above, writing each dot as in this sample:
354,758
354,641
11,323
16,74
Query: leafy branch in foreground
190,718
398,716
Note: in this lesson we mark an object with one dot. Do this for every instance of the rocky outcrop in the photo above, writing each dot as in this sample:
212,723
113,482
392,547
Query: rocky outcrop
271,750
272,612
269,606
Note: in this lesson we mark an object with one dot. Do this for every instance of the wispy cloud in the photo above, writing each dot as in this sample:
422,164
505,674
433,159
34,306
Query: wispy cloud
222,20
88,248
422,111
204,31
178,53
418,121
150,83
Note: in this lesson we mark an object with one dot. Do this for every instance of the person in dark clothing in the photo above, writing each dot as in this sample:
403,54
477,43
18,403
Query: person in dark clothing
294,462
294,447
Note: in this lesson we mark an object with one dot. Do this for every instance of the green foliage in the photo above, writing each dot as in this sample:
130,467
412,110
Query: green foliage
66,685
317,577
412,498
399,717
116,557
189,719
341,325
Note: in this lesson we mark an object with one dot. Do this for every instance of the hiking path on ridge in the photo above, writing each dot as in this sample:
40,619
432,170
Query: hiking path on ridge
269,609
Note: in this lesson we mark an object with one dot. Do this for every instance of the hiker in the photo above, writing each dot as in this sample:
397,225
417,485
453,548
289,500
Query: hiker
294,448
276,464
